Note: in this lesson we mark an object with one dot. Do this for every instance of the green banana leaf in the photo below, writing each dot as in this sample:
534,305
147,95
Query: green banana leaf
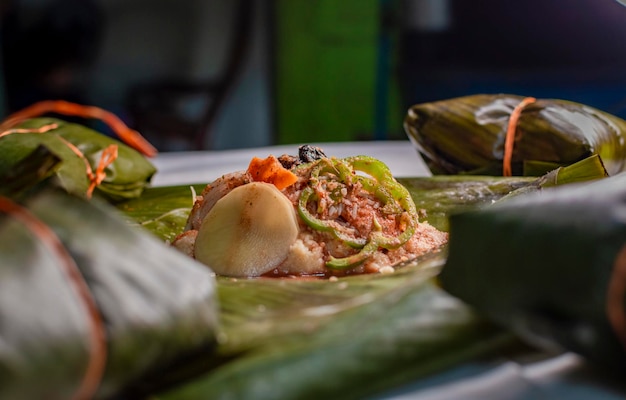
371,340
28,172
465,135
308,338
157,305
556,275
125,178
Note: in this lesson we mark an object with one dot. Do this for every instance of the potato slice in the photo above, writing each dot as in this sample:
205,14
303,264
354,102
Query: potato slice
248,232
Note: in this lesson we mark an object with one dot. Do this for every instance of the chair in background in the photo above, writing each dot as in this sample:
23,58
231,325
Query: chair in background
180,115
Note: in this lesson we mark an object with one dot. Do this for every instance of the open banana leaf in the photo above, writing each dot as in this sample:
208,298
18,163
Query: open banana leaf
551,266
350,338
126,177
466,135
310,338
127,315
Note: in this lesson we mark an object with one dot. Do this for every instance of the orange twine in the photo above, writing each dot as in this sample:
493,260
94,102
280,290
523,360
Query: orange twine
510,134
94,370
108,156
42,129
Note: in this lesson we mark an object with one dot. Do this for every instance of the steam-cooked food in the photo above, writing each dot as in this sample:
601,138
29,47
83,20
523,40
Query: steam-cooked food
306,215
90,163
504,134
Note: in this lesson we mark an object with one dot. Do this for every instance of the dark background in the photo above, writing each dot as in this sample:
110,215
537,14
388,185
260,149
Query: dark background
217,74
574,49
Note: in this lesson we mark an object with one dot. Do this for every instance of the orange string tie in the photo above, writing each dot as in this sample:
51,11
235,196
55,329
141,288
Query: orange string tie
108,156
41,129
510,135
129,136
98,177
96,364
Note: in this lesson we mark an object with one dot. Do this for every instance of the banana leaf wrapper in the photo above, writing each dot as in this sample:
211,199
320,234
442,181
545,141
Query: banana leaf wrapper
550,266
29,172
466,135
126,177
350,338
158,306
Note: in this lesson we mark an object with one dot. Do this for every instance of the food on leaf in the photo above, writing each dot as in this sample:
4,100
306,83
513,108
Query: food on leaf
508,134
269,326
352,217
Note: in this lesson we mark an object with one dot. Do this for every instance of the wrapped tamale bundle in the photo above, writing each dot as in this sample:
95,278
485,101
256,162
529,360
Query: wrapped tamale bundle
91,307
490,134
549,265
92,163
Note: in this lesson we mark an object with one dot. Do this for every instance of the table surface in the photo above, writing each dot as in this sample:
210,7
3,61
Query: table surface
542,376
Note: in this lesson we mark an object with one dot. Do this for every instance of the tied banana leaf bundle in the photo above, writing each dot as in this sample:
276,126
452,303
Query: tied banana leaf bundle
551,266
91,163
91,307
508,134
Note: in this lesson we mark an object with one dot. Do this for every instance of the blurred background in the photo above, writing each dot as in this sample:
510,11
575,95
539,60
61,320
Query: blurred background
221,74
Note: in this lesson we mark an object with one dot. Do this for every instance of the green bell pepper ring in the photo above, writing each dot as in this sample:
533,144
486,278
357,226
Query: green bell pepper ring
380,183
